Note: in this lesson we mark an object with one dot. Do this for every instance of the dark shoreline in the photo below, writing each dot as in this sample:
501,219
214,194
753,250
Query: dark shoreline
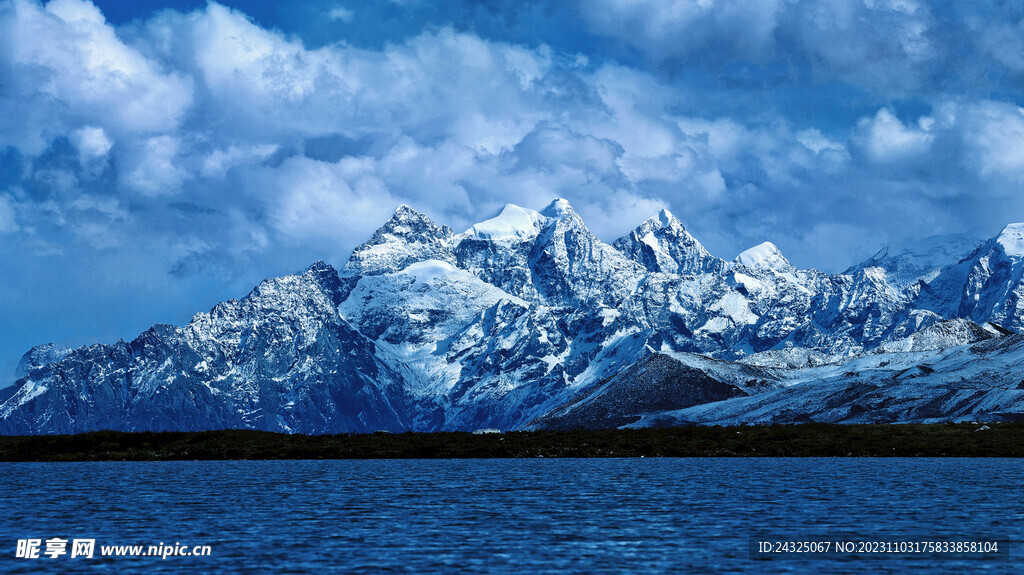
803,440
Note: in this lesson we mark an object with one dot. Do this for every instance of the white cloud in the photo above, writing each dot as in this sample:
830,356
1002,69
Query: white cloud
257,66
681,27
93,146
457,125
1002,41
341,14
877,44
620,212
994,133
8,217
885,139
316,201
153,167
109,207
215,164
550,148
72,62
816,142
265,86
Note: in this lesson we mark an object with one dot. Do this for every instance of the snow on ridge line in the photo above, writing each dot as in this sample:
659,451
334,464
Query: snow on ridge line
663,219
434,271
513,222
765,253
428,270
665,216
1012,240
558,208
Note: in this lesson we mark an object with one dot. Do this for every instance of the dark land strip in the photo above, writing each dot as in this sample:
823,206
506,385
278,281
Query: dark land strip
801,440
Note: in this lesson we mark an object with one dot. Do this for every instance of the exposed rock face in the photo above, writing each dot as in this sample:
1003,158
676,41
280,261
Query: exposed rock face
279,359
408,237
38,356
663,245
654,384
986,285
976,382
529,319
920,261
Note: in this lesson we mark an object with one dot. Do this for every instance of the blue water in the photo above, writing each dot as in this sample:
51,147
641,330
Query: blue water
510,516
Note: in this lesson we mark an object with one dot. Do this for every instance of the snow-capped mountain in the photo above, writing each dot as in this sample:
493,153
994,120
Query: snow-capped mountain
766,256
662,244
978,381
921,260
279,359
528,319
986,285
408,237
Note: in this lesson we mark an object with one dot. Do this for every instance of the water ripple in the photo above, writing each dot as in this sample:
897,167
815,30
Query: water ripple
506,516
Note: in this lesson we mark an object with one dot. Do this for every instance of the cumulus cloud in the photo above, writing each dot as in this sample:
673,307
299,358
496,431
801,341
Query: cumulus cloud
682,27
311,200
216,164
884,138
878,44
153,167
457,124
552,149
994,133
887,47
817,142
71,67
93,146
341,14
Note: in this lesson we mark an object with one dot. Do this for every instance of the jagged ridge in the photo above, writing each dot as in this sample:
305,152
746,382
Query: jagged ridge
524,320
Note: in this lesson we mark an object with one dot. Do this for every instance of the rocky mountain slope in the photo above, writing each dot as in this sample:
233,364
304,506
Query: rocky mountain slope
529,320
979,381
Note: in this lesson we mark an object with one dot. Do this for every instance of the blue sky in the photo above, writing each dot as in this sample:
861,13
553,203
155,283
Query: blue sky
158,157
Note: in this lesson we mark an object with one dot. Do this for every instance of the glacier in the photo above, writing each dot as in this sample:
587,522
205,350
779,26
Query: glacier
528,320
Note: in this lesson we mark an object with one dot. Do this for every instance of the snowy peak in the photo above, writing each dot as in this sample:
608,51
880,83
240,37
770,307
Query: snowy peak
666,219
667,222
409,221
39,355
663,221
408,237
570,266
327,277
514,223
318,288
662,244
559,208
941,335
765,256
529,312
921,260
986,286
561,220
547,256
1011,240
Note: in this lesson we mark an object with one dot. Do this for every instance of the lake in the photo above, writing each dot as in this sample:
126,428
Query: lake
510,515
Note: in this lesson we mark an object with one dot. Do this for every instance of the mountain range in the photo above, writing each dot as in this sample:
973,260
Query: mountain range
528,320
